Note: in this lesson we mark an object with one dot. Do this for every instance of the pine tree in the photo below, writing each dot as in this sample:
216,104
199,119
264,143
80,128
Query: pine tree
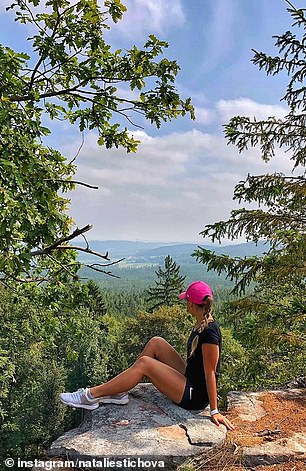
280,218
272,321
96,302
167,287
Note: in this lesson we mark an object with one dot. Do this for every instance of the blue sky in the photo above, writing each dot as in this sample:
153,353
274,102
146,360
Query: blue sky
183,175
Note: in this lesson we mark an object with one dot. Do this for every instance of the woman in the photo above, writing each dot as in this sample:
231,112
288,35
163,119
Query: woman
192,386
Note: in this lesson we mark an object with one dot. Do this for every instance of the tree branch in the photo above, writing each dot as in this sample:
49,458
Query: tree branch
79,149
102,271
28,280
82,249
105,264
73,275
54,246
42,58
72,181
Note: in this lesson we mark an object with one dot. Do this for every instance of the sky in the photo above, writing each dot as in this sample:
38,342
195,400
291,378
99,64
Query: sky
183,175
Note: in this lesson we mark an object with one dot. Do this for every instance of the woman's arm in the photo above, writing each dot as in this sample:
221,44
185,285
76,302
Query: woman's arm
210,353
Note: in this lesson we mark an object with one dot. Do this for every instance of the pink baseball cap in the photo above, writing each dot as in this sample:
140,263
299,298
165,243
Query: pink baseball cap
196,292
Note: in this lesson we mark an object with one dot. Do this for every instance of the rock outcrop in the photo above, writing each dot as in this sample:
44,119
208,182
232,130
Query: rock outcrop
151,432
150,427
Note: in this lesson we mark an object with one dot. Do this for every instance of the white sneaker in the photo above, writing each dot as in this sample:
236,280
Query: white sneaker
120,399
80,399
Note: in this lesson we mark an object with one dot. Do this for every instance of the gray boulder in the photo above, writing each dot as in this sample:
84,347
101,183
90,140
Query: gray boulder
151,432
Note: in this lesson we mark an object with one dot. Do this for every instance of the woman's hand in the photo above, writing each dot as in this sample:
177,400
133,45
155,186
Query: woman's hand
220,419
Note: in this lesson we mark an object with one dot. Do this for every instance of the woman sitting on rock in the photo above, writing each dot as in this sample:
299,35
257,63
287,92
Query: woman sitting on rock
192,386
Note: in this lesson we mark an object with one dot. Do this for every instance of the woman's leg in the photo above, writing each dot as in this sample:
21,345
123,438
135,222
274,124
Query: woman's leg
168,380
161,350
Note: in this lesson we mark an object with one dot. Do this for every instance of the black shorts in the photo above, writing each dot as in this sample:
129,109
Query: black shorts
191,399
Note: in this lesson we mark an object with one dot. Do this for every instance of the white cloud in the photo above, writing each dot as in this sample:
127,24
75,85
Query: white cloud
204,115
145,17
246,107
172,188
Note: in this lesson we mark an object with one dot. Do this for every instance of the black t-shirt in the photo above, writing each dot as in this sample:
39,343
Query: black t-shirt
195,369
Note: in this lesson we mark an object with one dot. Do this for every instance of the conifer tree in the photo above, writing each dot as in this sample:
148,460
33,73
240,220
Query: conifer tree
280,217
272,320
167,287
96,302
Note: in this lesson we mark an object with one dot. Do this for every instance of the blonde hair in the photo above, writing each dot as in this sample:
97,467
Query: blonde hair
207,318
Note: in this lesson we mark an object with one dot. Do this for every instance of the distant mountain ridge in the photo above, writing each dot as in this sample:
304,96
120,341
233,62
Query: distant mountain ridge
122,248
154,252
239,250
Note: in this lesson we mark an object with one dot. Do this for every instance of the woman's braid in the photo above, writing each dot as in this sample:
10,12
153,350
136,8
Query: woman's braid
207,318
